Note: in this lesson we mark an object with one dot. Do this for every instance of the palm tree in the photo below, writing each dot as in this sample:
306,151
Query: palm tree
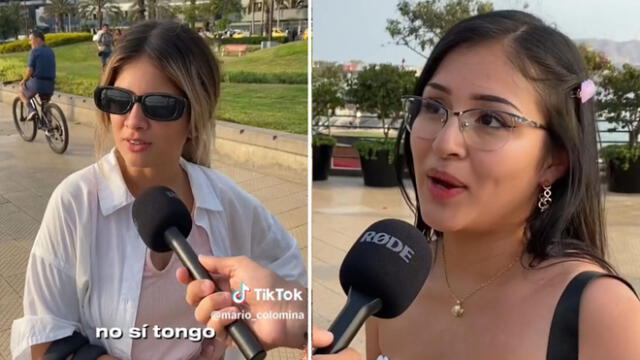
262,27
270,21
57,9
157,10
252,8
280,4
100,8
141,9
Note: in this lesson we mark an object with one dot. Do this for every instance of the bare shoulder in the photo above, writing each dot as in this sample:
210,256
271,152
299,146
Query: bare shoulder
609,310
609,321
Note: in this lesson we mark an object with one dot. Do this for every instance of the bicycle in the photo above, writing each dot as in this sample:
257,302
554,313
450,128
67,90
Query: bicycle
49,117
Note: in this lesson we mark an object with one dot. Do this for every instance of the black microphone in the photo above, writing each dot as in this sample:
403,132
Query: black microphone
163,223
381,274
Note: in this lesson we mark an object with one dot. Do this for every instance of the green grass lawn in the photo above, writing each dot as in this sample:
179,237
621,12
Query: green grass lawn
273,106
79,60
290,57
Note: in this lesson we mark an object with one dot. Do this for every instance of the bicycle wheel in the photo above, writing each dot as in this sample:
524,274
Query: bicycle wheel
58,137
26,128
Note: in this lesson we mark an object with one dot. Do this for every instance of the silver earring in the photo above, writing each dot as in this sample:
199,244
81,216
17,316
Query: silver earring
545,198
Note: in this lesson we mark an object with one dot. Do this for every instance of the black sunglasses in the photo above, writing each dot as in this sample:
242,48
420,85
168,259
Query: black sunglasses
155,106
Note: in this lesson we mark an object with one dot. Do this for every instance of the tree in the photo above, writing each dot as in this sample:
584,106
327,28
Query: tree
100,8
190,13
269,19
251,7
378,89
328,91
619,101
597,63
57,9
10,20
280,5
220,11
156,9
423,23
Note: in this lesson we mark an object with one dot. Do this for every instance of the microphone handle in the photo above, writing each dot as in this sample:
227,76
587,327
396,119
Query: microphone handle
350,319
241,334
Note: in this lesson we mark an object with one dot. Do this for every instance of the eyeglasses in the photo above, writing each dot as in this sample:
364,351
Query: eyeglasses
481,129
155,106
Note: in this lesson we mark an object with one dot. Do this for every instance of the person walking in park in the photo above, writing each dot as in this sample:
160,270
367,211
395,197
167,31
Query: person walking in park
104,41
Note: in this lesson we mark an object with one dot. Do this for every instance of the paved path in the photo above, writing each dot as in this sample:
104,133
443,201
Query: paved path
343,208
30,171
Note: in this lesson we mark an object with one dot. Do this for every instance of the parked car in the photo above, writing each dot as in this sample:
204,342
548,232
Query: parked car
276,32
240,34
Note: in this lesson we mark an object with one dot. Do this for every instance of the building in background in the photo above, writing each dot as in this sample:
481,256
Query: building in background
288,15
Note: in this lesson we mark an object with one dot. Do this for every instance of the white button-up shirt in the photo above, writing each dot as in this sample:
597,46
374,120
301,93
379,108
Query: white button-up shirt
86,265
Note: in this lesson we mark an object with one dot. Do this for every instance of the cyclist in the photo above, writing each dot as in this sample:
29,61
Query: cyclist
41,72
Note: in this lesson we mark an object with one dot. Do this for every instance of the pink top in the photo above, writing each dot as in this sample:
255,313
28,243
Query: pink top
162,303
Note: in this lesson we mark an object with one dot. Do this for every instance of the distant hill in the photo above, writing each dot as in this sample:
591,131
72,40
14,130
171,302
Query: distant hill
619,52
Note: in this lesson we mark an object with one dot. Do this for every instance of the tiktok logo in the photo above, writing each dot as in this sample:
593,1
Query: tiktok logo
239,295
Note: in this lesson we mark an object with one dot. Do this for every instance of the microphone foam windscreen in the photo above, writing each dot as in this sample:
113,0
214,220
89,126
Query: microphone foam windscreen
155,211
390,261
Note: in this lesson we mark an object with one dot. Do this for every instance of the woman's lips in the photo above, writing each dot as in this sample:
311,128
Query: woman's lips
137,145
439,191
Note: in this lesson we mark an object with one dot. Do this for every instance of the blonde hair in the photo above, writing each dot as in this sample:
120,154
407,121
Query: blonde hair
188,61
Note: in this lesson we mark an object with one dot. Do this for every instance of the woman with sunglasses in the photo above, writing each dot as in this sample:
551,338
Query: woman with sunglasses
89,268
500,144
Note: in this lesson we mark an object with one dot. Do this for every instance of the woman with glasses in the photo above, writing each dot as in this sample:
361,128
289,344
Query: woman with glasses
500,144
88,268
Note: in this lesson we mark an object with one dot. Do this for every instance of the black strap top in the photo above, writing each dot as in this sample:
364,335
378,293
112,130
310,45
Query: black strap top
563,338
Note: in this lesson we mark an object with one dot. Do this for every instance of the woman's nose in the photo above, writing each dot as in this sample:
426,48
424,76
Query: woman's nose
450,142
136,118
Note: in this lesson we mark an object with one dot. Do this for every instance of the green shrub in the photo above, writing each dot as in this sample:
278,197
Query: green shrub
253,40
621,155
322,139
52,40
369,148
11,70
247,77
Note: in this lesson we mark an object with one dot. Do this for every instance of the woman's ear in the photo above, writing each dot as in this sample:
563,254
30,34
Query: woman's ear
555,166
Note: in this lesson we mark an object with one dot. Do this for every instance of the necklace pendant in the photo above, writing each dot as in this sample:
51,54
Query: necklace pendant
457,309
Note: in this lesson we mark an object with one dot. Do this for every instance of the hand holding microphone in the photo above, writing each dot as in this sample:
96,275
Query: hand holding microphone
163,222
382,274
235,271
322,338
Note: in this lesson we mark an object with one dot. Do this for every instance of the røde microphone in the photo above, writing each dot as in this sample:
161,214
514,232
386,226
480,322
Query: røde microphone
381,275
163,223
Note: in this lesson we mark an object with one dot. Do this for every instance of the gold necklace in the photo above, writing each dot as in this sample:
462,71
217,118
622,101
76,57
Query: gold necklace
457,310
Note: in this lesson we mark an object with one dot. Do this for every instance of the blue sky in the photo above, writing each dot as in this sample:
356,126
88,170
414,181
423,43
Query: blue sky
346,30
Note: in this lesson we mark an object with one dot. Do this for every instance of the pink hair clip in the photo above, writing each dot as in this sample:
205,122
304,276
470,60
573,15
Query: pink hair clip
587,90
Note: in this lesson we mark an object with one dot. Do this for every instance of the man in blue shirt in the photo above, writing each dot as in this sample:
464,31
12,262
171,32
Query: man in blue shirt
41,71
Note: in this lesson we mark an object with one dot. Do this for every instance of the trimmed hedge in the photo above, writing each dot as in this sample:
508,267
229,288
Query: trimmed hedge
11,70
248,77
253,40
51,40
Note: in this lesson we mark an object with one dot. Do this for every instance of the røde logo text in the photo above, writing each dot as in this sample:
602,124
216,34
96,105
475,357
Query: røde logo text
390,242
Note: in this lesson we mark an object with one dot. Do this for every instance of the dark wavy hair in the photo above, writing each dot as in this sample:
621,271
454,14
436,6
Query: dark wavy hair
574,225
